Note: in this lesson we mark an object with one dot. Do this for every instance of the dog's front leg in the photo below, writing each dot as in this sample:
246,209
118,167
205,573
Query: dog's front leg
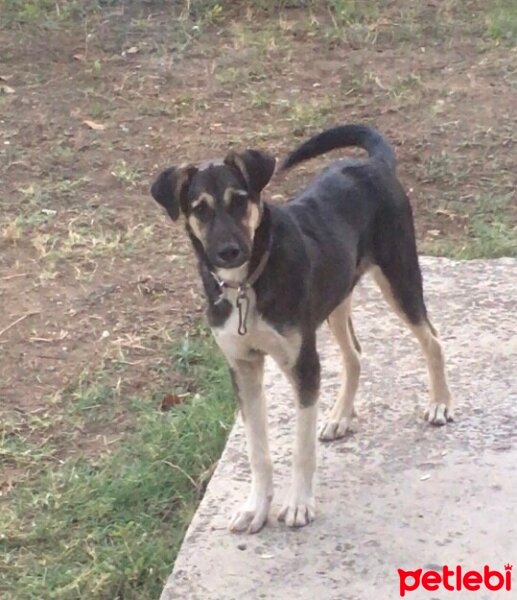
247,376
299,508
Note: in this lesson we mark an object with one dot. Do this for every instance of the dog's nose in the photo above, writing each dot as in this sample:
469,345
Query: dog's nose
229,254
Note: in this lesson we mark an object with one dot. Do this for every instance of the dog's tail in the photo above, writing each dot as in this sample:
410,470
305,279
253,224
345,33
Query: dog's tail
362,136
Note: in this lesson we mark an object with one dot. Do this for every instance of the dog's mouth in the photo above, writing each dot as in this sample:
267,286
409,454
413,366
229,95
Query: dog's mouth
233,275
230,256
231,264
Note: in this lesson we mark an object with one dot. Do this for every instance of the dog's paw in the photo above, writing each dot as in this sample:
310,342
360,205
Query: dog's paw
438,414
252,516
297,512
333,430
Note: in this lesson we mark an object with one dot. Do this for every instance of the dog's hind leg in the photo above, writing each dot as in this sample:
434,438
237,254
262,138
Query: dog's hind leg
299,507
340,323
247,378
402,289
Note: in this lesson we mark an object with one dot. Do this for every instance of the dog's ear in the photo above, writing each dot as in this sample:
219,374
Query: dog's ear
170,187
255,166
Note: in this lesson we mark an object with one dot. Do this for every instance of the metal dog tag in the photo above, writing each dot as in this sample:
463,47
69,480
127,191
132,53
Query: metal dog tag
243,306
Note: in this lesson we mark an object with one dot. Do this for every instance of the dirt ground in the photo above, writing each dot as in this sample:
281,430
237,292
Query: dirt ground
94,279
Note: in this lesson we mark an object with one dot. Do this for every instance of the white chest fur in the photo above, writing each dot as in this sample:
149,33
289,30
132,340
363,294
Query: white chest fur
259,336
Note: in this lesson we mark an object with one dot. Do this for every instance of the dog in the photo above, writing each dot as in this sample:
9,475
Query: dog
272,274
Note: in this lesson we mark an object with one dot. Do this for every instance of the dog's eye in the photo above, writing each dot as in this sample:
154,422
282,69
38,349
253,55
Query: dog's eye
201,211
239,203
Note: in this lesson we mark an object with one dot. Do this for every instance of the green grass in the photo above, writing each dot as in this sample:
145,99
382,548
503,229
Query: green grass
109,526
52,12
353,11
502,20
125,173
492,238
303,116
490,228
47,11
486,240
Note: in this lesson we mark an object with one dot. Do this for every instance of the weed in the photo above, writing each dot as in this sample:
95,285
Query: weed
27,10
501,20
485,240
268,6
353,11
438,168
405,87
491,230
260,98
125,173
493,239
95,69
62,154
44,244
97,398
98,110
12,231
47,12
306,115
38,199
213,14
264,40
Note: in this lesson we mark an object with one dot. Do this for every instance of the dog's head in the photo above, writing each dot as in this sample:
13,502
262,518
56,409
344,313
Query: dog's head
221,203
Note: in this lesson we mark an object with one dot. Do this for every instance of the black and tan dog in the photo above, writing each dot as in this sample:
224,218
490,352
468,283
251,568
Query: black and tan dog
273,274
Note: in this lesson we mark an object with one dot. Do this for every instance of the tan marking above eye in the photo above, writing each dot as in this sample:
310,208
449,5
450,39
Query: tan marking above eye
229,193
203,197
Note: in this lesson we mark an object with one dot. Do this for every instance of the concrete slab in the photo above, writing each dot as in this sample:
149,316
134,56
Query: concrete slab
396,493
